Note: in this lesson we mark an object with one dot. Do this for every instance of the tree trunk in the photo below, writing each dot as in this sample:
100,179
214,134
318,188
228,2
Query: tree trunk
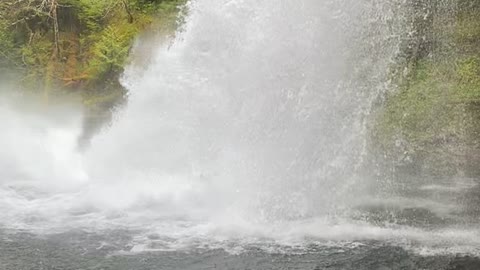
54,15
129,13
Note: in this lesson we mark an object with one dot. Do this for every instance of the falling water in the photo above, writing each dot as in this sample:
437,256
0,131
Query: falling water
249,124
255,108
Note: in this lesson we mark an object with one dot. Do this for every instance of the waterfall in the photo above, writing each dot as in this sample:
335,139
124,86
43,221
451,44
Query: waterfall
255,107
251,122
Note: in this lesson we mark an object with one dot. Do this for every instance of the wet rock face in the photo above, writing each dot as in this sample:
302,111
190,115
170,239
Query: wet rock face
473,151
430,124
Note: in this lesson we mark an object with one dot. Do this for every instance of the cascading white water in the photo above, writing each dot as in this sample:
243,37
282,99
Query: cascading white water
259,106
250,122
255,108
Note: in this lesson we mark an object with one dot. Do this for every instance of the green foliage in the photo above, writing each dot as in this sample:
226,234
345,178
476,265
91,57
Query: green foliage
93,15
35,57
109,47
153,6
7,49
95,38
110,52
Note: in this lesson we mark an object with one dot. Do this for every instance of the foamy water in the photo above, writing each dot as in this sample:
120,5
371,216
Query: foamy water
248,128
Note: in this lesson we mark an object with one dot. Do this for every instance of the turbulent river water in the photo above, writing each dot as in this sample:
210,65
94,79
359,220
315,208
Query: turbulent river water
244,145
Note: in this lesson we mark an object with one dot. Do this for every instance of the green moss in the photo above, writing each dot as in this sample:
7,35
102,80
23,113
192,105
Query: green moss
419,110
468,73
430,119
468,28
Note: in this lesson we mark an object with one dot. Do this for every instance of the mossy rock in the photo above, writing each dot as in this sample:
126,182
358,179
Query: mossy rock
433,118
